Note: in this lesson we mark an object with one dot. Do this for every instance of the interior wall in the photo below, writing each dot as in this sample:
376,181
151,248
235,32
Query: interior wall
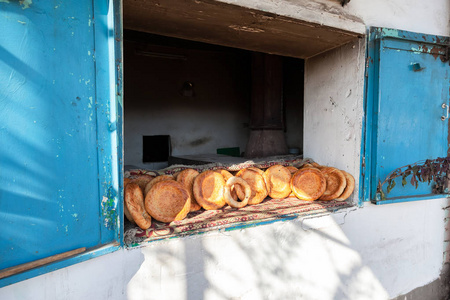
217,116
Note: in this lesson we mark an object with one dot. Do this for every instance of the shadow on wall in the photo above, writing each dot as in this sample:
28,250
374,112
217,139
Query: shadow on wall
287,260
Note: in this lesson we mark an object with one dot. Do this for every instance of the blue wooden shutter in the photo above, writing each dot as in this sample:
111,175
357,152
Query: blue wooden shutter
407,85
59,138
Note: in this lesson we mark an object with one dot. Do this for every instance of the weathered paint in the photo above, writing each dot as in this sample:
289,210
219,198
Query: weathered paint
51,189
372,252
25,3
408,116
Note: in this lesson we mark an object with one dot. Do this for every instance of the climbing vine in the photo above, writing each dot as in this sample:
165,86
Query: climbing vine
431,170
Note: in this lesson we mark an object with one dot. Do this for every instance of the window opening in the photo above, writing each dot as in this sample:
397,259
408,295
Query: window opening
197,99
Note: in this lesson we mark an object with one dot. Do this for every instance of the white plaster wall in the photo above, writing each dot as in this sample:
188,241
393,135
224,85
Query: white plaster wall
354,254
213,118
333,113
334,91
430,17
373,252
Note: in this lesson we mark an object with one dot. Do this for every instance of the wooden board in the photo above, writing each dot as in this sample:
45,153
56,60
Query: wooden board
234,26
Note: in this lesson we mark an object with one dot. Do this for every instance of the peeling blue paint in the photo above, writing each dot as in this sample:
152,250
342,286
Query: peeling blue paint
394,111
25,3
69,160
109,205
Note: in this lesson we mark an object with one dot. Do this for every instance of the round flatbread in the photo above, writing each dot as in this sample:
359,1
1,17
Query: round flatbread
316,165
186,178
257,184
168,201
335,183
175,175
155,181
348,188
308,184
278,181
134,201
125,209
229,199
208,190
261,172
292,169
227,175
142,180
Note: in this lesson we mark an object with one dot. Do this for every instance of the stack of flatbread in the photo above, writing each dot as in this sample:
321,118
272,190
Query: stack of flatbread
168,198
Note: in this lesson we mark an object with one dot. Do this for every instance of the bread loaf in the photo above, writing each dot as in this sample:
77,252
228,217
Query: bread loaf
348,188
186,178
278,181
208,190
336,183
308,184
134,200
168,201
254,177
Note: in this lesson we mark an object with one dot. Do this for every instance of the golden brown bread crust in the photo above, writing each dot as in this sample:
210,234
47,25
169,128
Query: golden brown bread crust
257,184
208,190
126,181
292,169
316,165
175,175
308,184
134,200
335,183
348,188
156,180
261,172
125,209
278,181
168,201
229,199
142,180
127,214
186,178
227,175
306,166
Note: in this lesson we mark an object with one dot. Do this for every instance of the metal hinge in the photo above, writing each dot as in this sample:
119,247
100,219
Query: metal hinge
447,53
